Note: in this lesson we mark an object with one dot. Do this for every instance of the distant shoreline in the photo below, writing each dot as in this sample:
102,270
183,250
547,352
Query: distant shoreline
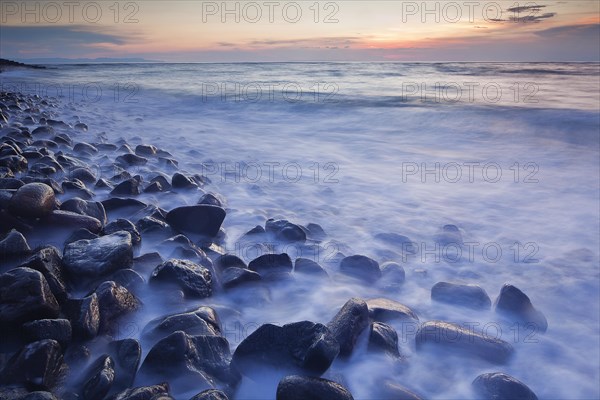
6,65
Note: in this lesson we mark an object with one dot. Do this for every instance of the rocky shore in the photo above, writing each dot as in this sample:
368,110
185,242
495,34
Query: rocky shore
75,214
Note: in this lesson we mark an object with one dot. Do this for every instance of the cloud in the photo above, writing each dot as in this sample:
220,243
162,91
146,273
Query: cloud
584,31
533,18
526,14
316,42
520,9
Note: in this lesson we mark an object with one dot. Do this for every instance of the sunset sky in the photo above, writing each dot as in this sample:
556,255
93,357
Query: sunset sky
346,30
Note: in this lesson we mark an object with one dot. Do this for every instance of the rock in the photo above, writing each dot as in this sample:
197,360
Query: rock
392,275
385,310
315,231
103,184
201,321
38,365
348,323
85,148
57,329
14,244
154,187
11,183
145,150
449,236
296,387
210,394
383,337
471,296
151,225
201,219
126,354
33,200
81,127
131,159
193,279
268,263
307,266
361,267
233,277
499,386
300,346
115,203
128,278
71,220
98,378
285,231
228,261
162,181
452,337
92,209
393,391
15,163
203,360
43,130
47,261
122,224
180,181
83,174
81,234
513,303
113,301
97,257
25,296
129,187
155,392
85,316
40,395
212,199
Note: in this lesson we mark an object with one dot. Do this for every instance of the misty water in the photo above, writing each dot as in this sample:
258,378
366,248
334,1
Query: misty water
506,152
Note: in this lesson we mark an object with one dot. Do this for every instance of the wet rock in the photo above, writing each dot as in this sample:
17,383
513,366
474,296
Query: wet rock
162,181
154,187
115,204
201,321
471,296
43,130
113,302
83,174
315,231
202,362
155,392
129,187
210,394
98,379
296,387
38,365
70,220
10,183
307,266
47,261
25,296
57,329
33,200
268,263
85,148
85,316
145,150
15,163
499,386
180,181
106,146
392,275
462,341
103,184
81,234
126,354
193,279
92,209
122,224
229,261
383,337
393,391
233,277
300,346
151,225
212,199
385,310
39,395
449,235
97,257
14,244
128,278
348,324
202,219
512,302
131,159
80,126
285,231
361,267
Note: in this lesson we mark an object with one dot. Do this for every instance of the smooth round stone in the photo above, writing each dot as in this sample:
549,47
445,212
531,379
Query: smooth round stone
499,386
33,200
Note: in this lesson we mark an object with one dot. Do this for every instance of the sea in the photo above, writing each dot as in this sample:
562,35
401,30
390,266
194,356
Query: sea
506,152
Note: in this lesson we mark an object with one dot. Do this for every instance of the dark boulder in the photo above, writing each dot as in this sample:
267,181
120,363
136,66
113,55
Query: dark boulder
515,304
38,365
92,209
25,296
155,392
499,386
348,324
126,354
80,234
57,329
180,181
14,244
309,267
130,159
471,296
47,261
204,220
462,341
285,231
122,224
296,387
84,315
361,267
385,310
201,321
383,337
145,150
70,220
212,199
97,257
129,187
271,263
98,378
234,277
228,261
83,174
210,394
113,302
299,346
127,204
33,200
195,280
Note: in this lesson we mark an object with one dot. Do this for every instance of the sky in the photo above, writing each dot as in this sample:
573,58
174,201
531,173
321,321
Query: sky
343,30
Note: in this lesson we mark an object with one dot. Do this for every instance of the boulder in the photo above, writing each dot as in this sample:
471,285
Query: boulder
98,378
296,387
47,261
155,392
204,220
70,220
195,280
84,315
271,263
233,277
113,302
348,323
309,267
384,310
499,386
14,244
93,209
471,296
515,304
383,337
361,267
122,224
25,296
56,329
201,321
126,354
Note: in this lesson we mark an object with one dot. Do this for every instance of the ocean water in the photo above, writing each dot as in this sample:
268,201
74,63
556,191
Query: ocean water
507,152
